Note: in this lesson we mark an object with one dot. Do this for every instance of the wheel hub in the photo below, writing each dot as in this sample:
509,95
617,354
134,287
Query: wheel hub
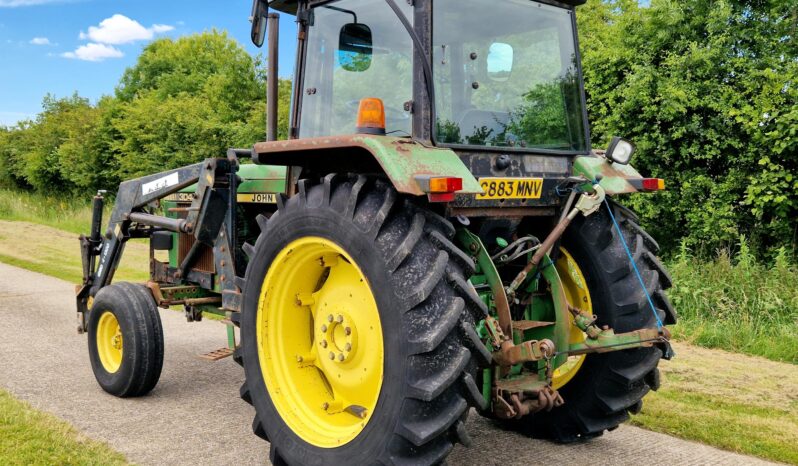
110,344
320,342
337,337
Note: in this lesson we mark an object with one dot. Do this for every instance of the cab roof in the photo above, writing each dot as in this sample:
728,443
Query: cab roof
291,6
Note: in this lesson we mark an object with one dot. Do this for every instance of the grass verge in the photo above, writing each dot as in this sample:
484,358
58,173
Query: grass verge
738,304
72,215
57,253
731,401
31,437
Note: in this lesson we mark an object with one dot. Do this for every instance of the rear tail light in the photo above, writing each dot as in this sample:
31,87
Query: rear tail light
445,185
440,189
653,184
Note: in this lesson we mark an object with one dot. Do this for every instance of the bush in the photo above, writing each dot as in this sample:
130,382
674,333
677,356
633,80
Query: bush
738,304
706,88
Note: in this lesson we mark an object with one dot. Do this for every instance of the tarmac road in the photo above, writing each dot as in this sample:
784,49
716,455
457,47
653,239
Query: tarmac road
194,416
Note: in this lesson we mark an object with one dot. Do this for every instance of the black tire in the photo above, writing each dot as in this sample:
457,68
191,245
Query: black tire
142,357
610,386
427,310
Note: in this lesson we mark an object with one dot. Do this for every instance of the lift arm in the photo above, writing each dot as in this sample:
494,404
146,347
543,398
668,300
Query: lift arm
212,209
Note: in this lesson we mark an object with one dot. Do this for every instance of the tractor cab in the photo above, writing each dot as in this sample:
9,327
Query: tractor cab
444,72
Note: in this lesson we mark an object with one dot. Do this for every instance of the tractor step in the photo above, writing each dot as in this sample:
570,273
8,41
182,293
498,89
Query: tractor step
523,325
216,355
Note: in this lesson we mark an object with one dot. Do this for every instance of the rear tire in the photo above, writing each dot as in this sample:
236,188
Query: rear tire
426,310
610,386
125,340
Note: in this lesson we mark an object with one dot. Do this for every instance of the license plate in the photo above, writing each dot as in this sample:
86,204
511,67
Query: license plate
511,188
257,198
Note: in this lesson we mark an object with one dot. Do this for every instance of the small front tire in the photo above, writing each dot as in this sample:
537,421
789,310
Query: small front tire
125,340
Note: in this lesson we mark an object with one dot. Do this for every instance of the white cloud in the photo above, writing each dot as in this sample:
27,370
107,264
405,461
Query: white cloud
119,29
94,52
40,41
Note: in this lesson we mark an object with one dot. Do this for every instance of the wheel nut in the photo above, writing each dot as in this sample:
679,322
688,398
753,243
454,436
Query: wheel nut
332,356
340,319
330,318
325,406
341,356
299,359
348,331
323,328
324,343
348,347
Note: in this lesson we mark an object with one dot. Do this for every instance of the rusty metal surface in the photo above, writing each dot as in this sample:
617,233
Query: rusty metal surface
401,159
523,325
216,355
204,260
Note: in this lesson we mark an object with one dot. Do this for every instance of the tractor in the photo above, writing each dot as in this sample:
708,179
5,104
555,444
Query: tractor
436,237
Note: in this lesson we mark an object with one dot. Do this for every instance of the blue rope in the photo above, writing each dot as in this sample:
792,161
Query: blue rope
634,266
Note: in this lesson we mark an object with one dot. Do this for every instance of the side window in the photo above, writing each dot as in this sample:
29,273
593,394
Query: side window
356,49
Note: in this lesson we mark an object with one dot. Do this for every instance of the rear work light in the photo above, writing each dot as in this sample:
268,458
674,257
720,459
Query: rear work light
439,188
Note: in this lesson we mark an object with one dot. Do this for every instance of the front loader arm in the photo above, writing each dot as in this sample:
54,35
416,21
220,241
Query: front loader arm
211,208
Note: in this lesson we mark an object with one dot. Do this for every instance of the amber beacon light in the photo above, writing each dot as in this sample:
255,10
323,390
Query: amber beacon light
371,116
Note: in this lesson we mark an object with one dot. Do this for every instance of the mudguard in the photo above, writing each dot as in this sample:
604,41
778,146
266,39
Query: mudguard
401,159
613,177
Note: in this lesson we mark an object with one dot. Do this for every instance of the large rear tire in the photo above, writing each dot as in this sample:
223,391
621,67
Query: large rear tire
125,340
607,387
413,320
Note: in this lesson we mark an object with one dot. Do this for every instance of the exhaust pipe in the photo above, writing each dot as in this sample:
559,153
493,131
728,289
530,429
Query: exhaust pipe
273,29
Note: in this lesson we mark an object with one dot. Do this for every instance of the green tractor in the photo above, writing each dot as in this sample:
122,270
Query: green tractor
435,237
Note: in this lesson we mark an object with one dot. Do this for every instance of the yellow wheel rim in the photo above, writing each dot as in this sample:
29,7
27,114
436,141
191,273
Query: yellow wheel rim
578,296
320,342
110,344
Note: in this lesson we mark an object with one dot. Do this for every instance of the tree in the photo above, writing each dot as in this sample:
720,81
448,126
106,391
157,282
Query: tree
706,88
186,100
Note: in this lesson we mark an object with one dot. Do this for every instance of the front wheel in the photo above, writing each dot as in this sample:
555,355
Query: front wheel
357,329
125,340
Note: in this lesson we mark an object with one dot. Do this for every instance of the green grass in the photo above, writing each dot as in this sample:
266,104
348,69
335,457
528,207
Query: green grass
738,304
53,252
728,400
72,215
31,437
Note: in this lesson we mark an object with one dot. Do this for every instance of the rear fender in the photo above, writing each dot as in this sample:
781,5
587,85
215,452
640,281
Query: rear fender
402,160
613,177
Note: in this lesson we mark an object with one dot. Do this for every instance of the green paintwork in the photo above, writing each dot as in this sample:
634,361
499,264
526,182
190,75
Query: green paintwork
608,340
562,321
256,179
486,270
613,176
403,160
261,179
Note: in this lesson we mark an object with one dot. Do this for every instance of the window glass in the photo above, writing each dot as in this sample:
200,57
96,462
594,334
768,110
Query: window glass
515,85
336,80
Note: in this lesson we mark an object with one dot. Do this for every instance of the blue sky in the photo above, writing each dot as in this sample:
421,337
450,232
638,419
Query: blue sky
63,46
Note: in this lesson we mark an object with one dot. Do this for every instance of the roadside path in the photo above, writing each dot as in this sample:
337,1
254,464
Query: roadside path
195,417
